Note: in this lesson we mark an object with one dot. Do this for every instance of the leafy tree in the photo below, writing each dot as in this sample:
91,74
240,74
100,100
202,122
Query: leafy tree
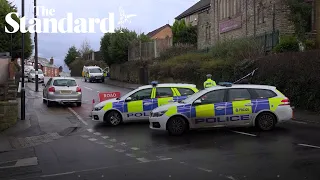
71,55
5,45
114,47
144,38
85,48
183,33
300,14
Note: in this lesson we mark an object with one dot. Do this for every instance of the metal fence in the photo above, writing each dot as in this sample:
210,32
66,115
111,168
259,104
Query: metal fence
268,40
148,50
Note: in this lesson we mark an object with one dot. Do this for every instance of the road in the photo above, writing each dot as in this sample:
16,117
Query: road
133,151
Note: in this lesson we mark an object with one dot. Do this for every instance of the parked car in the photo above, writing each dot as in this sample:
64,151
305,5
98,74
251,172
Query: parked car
32,76
62,90
92,74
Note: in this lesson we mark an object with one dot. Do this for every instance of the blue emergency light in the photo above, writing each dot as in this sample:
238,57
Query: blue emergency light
226,84
154,83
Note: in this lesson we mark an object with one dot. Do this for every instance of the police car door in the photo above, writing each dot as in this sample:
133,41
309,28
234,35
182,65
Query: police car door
210,112
239,107
140,105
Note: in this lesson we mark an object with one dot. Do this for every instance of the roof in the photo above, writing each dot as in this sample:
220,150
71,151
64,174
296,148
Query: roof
43,62
169,85
71,78
257,86
152,33
91,67
199,6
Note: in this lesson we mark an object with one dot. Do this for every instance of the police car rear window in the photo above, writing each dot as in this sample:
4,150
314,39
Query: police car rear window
264,93
185,91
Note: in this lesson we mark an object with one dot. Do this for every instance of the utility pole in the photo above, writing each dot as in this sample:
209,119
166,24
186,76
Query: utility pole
317,21
23,98
36,49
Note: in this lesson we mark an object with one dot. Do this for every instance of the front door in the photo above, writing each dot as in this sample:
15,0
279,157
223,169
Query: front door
163,95
211,111
140,105
239,107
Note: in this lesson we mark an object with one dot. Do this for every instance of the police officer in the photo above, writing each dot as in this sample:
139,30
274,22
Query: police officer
209,82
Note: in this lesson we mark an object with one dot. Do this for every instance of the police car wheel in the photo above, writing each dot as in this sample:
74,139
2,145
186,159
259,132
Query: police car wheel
176,126
266,121
113,118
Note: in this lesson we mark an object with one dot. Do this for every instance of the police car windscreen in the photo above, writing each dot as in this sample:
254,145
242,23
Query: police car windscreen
96,70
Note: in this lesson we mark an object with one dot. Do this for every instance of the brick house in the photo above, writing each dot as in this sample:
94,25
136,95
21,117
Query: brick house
161,33
227,19
190,15
48,67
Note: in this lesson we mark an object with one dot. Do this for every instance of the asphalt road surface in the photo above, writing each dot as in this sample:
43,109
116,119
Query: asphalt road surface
133,151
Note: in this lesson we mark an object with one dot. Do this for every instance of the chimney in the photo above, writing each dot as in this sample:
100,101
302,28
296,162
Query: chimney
51,60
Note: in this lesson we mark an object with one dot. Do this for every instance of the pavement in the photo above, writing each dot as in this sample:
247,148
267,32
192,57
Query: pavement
94,150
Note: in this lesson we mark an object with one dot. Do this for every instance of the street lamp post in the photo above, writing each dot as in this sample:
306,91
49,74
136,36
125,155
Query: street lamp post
23,98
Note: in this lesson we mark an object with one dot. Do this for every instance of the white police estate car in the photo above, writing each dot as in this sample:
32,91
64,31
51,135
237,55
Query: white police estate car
222,106
137,104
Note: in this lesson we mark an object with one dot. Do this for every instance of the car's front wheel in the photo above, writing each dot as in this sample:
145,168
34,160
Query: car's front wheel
177,126
266,121
113,118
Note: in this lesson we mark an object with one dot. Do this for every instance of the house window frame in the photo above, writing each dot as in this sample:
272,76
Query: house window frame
261,14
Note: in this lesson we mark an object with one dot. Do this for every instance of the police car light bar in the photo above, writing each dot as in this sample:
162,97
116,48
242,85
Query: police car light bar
154,83
226,84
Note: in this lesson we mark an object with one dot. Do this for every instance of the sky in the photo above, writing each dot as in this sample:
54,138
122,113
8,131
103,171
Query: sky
150,15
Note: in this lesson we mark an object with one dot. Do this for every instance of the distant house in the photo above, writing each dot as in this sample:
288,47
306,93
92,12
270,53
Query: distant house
191,15
161,33
93,56
48,67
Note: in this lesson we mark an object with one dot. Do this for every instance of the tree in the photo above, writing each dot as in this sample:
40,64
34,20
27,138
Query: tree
183,33
114,47
85,48
5,45
317,7
71,55
144,38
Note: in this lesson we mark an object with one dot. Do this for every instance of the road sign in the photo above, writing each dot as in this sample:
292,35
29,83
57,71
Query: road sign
103,96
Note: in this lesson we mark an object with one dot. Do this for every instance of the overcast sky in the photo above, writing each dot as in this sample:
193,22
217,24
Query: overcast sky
151,14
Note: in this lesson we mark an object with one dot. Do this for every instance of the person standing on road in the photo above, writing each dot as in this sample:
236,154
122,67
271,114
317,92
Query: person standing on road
209,82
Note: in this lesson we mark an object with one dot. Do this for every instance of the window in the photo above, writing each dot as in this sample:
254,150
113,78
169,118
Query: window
40,71
213,97
64,82
96,70
164,92
208,32
238,95
261,18
49,82
185,91
264,93
142,94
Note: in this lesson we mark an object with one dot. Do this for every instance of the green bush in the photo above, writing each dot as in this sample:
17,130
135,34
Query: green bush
310,44
287,44
176,51
237,49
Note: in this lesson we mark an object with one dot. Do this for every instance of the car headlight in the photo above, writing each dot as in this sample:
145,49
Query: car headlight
98,108
158,114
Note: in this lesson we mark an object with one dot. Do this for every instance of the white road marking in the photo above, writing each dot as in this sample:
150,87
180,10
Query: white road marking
77,115
298,122
85,136
97,133
135,148
144,160
308,145
105,137
203,169
123,144
230,177
92,139
120,150
88,88
108,146
243,133
90,130
113,140
102,143
131,155
59,174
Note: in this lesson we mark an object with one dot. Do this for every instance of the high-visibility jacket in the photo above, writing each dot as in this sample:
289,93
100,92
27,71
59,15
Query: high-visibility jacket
209,83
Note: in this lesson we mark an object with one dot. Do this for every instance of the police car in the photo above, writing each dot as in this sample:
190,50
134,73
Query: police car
137,104
224,106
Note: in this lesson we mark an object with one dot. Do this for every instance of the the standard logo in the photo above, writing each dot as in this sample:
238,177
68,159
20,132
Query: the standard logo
142,114
223,119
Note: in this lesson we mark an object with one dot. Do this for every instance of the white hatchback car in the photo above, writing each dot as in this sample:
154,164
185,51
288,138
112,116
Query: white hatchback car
224,106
